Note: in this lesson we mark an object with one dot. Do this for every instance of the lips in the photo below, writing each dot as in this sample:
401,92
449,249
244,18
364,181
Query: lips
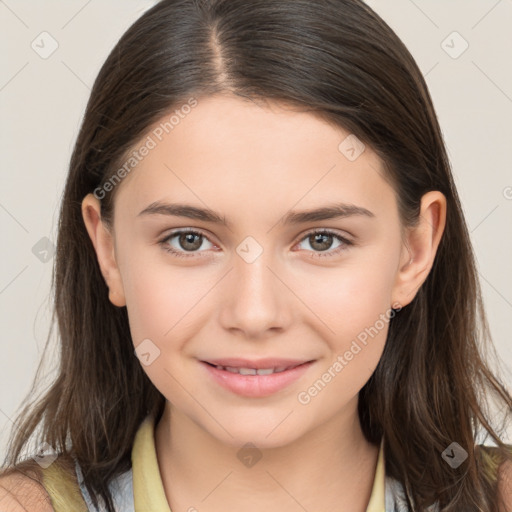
274,363
255,378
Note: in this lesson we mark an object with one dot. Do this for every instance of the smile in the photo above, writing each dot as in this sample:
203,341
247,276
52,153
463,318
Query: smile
254,371
255,382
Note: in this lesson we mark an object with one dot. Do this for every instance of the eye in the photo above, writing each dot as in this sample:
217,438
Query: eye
322,240
187,241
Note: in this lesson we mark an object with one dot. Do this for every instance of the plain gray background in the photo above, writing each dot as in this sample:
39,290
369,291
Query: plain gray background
464,49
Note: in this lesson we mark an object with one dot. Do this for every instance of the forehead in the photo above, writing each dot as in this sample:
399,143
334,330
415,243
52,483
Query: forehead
236,156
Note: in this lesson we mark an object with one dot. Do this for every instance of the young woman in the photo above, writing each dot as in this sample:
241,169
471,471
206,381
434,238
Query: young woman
265,288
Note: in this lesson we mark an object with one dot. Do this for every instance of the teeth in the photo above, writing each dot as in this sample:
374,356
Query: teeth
252,371
247,371
265,371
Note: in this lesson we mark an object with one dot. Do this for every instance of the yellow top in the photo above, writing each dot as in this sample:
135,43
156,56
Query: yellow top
148,489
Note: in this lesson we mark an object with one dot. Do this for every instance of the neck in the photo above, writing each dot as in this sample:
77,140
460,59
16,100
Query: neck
330,468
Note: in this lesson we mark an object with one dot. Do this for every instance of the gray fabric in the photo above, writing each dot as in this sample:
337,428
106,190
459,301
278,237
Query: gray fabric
121,488
395,497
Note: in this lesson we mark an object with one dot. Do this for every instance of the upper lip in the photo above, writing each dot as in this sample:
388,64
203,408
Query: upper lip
235,362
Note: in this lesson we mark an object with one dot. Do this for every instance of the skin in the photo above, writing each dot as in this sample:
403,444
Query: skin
253,163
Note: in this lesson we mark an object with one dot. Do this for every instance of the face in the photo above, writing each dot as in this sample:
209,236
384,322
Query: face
257,279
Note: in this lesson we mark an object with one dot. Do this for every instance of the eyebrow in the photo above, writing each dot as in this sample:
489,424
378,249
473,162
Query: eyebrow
331,211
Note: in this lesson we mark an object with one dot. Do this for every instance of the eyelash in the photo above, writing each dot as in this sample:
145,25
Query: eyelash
181,254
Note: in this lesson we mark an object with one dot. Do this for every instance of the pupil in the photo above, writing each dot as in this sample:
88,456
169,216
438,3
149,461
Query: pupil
322,239
189,238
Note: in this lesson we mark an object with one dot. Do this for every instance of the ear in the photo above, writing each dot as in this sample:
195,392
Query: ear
420,247
103,242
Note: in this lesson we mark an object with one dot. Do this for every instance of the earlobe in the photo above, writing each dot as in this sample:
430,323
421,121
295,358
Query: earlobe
103,243
420,248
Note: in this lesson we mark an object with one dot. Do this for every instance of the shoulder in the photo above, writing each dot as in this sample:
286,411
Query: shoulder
499,465
22,491
505,484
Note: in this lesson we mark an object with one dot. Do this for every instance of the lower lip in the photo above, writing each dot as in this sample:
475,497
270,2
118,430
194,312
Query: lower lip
256,385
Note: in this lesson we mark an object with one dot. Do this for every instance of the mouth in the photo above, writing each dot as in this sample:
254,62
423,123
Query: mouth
254,371
255,378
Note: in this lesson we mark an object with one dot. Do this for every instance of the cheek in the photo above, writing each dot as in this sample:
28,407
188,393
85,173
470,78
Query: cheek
353,295
164,306
352,313
162,300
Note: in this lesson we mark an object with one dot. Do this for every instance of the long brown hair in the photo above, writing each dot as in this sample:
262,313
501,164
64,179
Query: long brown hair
342,61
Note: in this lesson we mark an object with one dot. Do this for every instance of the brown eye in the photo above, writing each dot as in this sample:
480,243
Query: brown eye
180,243
322,241
190,241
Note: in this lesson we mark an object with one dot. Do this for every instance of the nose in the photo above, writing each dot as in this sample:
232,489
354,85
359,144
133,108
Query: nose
256,300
